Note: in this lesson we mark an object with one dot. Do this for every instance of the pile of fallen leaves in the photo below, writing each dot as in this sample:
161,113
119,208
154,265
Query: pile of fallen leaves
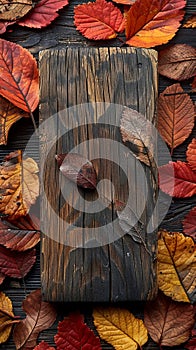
169,319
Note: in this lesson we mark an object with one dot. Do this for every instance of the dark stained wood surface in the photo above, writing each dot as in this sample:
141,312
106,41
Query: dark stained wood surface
91,270
63,33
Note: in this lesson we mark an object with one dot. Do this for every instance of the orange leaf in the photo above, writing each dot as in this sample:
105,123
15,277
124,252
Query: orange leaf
125,2
153,22
191,154
191,22
18,76
189,224
9,114
98,20
176,115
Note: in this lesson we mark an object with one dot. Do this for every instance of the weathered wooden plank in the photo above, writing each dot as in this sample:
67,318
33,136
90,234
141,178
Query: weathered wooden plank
99,264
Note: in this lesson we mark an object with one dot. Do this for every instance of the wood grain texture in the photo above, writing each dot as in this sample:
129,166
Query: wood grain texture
123,269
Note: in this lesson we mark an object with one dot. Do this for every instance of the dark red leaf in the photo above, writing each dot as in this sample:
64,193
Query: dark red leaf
15,264
191,344
2,277
189,223
44,12
44,346
191,154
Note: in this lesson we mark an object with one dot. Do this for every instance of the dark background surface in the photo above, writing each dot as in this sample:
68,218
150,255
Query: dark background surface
62,33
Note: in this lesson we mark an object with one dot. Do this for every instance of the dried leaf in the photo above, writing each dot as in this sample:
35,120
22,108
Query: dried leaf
177,179
118,326
44,346
74,334
77,169
138,131
178,62
191,345
169,323
40,315
44,12
6,317
16,264
191,154
189,223
176,115
153,22
9,114
191,22
98,20
18,76
19,185
176,266
12,10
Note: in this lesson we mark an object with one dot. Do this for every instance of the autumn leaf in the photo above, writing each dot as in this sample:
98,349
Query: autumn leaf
191,154
74,334
2,277
138,131
194,83
7,318
19,185
191,22
153,22
177,179
178,62
118,326
40,315
3,27
176,266
13,10
77,169
18,76
176,115
9,114
98,20
125,2
191,344
16,264
168,322
189,223
44,346
44,12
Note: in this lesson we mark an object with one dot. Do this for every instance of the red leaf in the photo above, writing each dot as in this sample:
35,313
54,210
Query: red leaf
40,315
153,22
191,345
183,177
43,346
189,223
191,154
44,12
98,20
3,27
18,76
74,334
15,264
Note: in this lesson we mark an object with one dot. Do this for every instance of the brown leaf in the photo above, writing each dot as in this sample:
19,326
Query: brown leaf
178,62
77,169
138,131
16,264
19,185
6,317
190,22
191,154
19,76
40,315
176,115
9,114
189,223
12,10
169,323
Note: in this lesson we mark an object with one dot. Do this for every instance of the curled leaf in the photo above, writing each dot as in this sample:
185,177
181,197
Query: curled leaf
169,323
77,169
191,154
118,326
176,266
189,223
13,10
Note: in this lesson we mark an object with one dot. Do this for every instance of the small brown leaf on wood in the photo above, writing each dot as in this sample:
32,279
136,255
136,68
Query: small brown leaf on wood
191,154
178,62
190,22
169,323
77,169
189,223
12,10
40,315
176,116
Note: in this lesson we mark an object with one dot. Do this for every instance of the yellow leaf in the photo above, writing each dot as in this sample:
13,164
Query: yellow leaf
120,328
6,317
176,265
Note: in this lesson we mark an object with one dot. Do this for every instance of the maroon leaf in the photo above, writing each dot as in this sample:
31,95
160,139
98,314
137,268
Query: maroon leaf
2,277
189,224
43,346
15,264
74,334
191,154
40,315
191,345
44,12
77,169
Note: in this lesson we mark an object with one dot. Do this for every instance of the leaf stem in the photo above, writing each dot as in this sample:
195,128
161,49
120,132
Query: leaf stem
33,120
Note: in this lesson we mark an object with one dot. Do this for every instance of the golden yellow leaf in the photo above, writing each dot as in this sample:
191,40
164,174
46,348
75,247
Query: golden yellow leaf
120,328
6,317
19,185
176,265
